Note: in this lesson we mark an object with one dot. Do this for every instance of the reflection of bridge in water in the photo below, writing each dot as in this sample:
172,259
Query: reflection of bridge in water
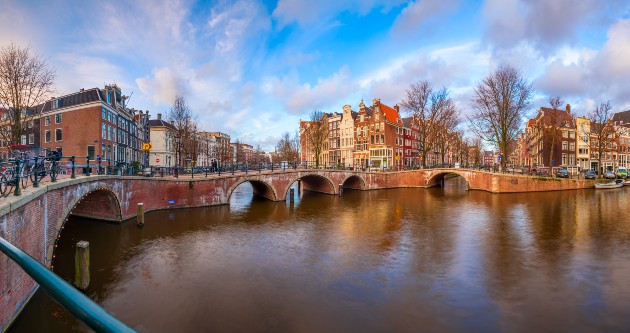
34,220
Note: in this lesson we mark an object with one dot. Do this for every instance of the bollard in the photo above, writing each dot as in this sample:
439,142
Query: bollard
299,186
16,178
82,265
140,214
291,195
340,189
87,167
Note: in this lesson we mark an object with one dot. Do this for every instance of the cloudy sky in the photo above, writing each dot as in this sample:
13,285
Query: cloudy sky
253,68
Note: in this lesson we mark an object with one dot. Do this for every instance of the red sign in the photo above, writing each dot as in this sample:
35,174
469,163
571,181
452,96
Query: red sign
157,160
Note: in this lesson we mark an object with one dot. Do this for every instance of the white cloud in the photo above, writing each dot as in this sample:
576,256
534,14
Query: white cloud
301,98
163,85
420,12
594,75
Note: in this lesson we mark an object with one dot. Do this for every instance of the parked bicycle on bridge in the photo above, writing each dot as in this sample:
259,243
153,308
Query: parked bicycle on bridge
46,165
14,173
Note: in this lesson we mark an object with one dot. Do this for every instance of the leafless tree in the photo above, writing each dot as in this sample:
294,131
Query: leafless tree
432,110
185,129
317,133
602,133
288,147
500,102
551,123
25,82
475,154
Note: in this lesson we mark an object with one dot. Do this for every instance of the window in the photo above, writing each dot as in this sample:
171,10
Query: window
47,137
47,121
30,124
58,134
572,146
90,152
104,114
58,118
31,139
23,139
103,131
564,145
565,134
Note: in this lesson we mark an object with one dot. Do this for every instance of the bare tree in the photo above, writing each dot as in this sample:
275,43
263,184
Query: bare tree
287,148
551,123
432,110
185,129
317,133
475,154
500,101
602,133
25,81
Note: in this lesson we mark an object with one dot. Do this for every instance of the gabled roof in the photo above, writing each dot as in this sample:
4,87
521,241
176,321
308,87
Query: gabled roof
623,116
390,114
407,122
161,123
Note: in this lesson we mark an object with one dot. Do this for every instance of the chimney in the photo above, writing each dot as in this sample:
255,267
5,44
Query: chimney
159,116
569,108
173,122
397,108
376,101
81,89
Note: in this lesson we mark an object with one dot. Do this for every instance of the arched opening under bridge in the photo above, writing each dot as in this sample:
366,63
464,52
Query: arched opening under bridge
258,188
440,179
354,183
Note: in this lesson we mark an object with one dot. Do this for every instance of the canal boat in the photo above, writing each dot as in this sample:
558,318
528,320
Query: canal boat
616,184
627,182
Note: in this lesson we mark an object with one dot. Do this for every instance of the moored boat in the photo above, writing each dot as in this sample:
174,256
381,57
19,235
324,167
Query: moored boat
616,184
627,183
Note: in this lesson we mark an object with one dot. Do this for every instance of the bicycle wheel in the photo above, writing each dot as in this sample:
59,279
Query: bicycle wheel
24,176
8,183
3,185
34,173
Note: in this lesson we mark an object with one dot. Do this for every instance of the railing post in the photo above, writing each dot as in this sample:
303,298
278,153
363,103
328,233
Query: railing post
18,190
74,175
232,169
87,166
99,166
34,173
53,177
246,168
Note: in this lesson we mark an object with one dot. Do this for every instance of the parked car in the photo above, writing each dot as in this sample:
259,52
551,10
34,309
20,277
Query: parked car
589,174
609,174
563,174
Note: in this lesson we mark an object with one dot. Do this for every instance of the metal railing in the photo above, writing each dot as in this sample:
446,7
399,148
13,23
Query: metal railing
62,292
21,172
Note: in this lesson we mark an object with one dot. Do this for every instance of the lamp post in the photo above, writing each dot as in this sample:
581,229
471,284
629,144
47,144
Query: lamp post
176,164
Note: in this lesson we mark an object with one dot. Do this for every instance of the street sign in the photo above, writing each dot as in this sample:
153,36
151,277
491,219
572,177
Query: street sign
397,158
147,146
500,158
157,160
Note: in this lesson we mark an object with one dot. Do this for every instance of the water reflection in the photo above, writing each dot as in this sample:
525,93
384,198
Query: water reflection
405,260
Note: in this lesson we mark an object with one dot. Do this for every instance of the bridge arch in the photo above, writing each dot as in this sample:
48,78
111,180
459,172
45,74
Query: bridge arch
99,203
354,182
437,177
260,187
313,182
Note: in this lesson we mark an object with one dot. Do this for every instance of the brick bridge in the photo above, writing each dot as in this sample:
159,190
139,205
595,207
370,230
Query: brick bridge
34,221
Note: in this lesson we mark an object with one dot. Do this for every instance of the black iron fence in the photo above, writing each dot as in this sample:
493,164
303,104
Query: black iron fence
23,171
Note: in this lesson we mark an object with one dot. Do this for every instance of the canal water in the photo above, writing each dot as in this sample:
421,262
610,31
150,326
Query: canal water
401,260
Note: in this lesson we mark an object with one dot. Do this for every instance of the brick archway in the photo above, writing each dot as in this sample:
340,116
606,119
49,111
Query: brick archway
99,203
436,178
354,182
261,188
313,182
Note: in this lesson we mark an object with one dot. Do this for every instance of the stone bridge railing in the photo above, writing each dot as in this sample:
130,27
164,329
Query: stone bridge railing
34,220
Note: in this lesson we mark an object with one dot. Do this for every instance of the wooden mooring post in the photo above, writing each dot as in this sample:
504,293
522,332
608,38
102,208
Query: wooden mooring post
82,265
140,214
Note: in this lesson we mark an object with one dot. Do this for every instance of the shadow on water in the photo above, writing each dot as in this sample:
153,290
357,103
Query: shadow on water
442,259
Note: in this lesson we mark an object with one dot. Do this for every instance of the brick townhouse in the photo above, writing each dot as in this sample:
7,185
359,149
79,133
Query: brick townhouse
91,122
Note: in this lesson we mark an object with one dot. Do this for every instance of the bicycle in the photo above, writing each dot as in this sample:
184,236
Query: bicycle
47,165
9,177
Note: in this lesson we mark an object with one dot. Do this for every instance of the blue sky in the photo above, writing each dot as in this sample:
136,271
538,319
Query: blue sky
253,68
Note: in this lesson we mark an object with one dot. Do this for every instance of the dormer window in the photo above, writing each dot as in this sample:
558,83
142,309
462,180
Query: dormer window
55,103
